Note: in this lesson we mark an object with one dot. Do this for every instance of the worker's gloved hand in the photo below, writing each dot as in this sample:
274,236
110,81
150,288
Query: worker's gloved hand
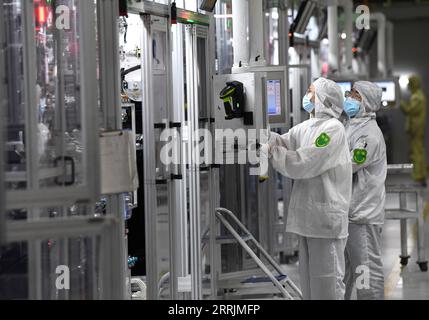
262,179
275,140
264,156
265,150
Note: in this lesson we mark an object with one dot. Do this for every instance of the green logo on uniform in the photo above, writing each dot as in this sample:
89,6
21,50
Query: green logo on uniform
323,140
360,156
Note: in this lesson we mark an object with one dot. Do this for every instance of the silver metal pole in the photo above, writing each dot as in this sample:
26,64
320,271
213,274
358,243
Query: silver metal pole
181,197
3,105
173,185
31,136
404,238
380,18
197,281
283,35
194,187
110,100
240,13
381,46
348,11
190,128
214,174
390,38
149,160
109,63
94,258
179,221
106,286
29,51
256,32
88,76
420,228
333,36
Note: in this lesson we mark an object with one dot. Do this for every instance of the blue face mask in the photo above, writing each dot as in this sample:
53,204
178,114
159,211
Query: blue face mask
351,107
307,104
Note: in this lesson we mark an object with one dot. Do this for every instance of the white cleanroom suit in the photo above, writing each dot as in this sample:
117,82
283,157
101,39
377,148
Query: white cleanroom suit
315,154
366,216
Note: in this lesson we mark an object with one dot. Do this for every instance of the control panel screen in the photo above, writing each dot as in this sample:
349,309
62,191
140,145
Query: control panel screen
389,90
274,98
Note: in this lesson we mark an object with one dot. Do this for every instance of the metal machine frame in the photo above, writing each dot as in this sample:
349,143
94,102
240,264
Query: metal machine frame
287,289
109,228
34,196
180,179
270,228
399,182
112,121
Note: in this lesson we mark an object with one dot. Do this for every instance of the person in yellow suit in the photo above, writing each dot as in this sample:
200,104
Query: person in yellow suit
415,111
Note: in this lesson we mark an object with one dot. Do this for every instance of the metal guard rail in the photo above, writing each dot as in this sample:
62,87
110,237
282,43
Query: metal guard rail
219,212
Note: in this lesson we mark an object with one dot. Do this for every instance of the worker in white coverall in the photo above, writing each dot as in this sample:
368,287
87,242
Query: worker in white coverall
364,268
315,154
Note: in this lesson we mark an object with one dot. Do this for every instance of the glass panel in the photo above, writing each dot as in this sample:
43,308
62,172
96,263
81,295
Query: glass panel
15,111
55,136
42,267
59,96
224,35
159,42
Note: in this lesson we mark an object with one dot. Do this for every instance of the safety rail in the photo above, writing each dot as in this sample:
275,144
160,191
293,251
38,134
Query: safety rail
220,212
399,182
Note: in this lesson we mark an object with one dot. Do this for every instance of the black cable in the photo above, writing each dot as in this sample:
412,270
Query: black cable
124,73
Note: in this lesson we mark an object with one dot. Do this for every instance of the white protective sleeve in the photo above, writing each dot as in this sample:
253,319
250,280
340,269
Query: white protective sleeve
309,161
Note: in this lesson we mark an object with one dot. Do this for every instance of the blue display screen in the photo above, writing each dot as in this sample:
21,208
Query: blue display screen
274,98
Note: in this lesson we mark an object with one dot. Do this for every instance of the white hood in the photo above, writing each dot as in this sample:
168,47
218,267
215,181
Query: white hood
329,99
371,98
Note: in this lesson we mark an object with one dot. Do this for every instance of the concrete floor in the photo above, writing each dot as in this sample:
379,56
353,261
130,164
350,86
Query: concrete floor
401,283
407,283
404,283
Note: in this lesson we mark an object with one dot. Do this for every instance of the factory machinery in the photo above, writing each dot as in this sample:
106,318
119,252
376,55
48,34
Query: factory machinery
88,192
